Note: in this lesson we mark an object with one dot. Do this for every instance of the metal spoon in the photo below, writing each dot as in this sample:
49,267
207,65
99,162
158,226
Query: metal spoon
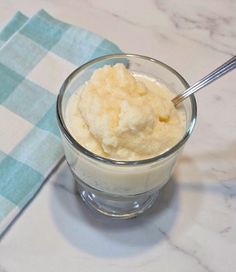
217,73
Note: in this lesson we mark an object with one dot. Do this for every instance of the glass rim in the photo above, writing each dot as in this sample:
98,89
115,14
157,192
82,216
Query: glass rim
98,158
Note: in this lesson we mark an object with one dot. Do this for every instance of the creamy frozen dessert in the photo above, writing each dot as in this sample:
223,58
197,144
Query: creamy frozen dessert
124,116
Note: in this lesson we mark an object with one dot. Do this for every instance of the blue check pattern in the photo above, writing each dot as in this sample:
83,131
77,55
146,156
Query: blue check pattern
30,145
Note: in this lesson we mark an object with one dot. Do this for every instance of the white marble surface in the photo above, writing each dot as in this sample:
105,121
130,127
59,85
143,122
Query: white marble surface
193,225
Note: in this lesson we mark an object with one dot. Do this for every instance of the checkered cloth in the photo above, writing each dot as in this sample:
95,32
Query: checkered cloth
36,55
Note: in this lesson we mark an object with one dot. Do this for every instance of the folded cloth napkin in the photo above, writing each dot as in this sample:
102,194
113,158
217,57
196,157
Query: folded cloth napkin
36,55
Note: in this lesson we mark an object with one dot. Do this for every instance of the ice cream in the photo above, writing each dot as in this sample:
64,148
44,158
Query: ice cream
124,116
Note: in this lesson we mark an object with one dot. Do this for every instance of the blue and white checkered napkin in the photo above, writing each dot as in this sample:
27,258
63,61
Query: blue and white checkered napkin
36,55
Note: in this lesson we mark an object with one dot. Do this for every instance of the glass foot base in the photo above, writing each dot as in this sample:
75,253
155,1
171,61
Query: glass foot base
116,206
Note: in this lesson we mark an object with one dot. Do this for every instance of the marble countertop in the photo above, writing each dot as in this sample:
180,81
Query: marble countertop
192,226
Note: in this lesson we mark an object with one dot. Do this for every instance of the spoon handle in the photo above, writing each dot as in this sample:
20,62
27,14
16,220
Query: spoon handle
217,73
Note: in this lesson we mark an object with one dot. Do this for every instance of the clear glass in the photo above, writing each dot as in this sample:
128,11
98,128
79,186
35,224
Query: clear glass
122,189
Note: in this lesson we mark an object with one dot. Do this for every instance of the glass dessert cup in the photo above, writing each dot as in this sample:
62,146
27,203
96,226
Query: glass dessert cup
122,189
